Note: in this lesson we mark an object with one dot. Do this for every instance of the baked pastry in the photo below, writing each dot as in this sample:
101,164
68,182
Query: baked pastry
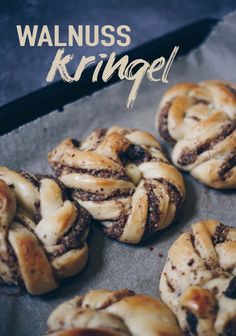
198,282
112,313
42,233
201,120
123,179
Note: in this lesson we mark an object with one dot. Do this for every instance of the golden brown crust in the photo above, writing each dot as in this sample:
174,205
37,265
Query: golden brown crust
201,120
42,234
123,179
112,313
198,281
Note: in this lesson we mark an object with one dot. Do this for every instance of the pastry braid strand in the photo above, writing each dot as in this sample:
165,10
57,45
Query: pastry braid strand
42,233
198,282
200,120
123,179
112,313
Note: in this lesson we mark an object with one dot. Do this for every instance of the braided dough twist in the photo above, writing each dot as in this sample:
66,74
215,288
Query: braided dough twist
201,120
198,281
122,178
42,233
112,313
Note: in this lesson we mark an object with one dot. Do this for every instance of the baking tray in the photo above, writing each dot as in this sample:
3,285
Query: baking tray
111,264
56,95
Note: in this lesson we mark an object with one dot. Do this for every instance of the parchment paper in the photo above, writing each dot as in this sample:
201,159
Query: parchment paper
111,264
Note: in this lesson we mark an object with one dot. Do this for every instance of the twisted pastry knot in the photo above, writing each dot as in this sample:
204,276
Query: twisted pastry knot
122,178
199,280
42,233
201,120
113,313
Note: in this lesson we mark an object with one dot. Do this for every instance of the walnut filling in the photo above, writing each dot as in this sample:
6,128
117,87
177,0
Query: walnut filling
79,194
220,234
37,215
154,212
189,156
117,227
176,196
10,260
231,289
192,323
103,173
135,154
74,237
224,171
163,122
117,296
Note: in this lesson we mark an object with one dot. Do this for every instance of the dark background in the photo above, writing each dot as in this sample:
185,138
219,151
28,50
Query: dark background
24,69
